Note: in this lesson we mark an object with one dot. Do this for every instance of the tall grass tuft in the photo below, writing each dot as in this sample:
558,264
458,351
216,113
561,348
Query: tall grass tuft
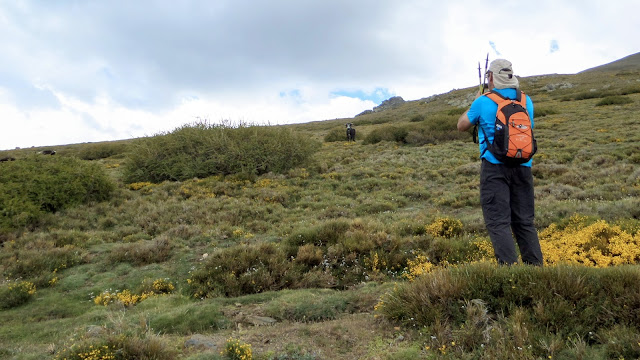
202,149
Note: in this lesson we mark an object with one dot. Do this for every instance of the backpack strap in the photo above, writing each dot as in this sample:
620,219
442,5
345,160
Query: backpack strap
495,96
522,98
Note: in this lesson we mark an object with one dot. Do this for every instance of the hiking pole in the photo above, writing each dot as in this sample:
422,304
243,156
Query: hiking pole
486,66
474,132
481,87
483,79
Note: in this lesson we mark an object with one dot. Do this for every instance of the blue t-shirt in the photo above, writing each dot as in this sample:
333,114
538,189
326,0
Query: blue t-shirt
484,110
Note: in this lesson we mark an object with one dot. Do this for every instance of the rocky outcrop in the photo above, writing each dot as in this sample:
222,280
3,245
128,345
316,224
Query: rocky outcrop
553,87
429,99
200,342
365,112
463,101
390,103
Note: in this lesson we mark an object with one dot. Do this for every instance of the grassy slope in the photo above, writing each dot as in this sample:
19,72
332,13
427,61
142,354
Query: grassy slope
587,163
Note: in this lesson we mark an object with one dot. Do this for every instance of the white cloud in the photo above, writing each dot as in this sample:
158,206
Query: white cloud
93,71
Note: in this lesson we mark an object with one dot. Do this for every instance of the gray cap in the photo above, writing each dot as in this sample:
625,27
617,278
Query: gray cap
503,77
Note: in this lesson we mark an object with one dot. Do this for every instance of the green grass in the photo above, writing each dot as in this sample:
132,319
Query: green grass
316,244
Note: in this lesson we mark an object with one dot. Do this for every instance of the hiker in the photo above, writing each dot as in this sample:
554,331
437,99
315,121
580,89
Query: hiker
506,185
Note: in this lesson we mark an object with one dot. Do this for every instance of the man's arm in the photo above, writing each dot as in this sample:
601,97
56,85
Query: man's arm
463,122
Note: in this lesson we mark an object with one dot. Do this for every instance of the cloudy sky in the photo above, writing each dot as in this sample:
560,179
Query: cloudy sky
75,71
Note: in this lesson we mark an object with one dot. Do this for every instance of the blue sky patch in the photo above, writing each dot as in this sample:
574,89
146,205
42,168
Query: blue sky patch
377,96
493,46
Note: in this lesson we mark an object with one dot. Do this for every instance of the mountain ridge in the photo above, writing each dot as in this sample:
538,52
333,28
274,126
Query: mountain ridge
626,63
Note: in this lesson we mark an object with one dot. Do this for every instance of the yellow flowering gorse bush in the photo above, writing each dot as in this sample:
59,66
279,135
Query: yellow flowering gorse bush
139,185
599,244
90,353
236,350
124,297
444,227
418,266
127,298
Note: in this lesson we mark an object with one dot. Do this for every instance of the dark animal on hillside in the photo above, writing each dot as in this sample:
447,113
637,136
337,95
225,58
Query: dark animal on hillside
351,132
7,158
48,152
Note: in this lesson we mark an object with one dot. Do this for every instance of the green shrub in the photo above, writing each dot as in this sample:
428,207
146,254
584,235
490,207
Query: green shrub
435,129
242,270
36,185
416,118
201,150
102,150
15,294
322,235
566,300
387,133
630,90
614,100
337,134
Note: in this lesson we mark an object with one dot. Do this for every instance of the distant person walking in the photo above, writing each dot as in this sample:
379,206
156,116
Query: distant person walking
506,182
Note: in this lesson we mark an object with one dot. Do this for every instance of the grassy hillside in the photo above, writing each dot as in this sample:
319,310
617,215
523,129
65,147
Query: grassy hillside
367,250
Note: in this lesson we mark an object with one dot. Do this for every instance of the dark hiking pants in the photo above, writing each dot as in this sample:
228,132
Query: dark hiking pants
506,194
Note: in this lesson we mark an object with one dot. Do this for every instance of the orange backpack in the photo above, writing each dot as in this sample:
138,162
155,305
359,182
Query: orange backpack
513,141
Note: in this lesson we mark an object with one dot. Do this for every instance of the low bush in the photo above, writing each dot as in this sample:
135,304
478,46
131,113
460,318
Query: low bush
39,261
36,185
102,150
322,235
614,100
416,118
567,301
201,150
242,270
387,133
14,294
336,134
117,341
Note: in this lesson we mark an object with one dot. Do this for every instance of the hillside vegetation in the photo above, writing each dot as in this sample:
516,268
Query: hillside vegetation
253,242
